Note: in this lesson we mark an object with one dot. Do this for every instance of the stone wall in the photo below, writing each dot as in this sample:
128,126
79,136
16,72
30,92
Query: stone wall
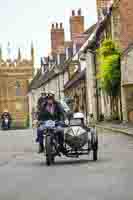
127,84
127,68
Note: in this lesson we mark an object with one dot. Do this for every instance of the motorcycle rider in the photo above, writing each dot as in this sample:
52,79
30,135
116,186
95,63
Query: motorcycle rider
42,100
80,116
7,115
51,110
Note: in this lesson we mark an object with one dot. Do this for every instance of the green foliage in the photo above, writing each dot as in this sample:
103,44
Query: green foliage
115,116
26,123
109,69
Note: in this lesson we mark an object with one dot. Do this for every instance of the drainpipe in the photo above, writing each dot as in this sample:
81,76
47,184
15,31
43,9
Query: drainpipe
97,92
92,92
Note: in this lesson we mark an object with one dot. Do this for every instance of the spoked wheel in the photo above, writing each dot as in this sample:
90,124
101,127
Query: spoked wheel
95,148
53,159
95,155
48,145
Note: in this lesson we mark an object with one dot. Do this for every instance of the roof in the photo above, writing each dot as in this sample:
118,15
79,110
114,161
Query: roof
34,82
94,42
75,81
90,29
41,79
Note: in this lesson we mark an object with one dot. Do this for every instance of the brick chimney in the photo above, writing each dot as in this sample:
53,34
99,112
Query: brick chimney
76,24
57,38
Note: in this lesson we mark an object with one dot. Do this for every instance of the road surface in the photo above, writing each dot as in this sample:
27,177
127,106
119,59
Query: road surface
24,175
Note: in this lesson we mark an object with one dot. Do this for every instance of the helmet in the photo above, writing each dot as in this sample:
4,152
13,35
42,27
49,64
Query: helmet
78,115
51,94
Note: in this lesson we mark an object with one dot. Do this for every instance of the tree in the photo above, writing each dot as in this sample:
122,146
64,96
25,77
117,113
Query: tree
109,72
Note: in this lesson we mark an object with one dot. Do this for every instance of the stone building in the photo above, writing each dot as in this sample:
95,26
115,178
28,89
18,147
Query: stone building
102,7
121,19
75,88
114,21
127,83
14,80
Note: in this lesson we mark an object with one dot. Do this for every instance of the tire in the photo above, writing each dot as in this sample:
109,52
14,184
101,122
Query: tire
48,150
95,155
94,143
53,159
95,150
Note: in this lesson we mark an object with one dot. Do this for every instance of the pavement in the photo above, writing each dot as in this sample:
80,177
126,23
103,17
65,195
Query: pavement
25,176
118,127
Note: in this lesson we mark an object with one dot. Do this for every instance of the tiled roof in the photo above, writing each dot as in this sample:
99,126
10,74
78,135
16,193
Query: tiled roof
76,79
90,29
94,42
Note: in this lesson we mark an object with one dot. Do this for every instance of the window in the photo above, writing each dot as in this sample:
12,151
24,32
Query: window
18,88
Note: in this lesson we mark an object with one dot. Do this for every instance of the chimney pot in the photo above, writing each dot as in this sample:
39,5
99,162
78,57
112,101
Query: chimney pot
61,25
79,12
73,13
56,25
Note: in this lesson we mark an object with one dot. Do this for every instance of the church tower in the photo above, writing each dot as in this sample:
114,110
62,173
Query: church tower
19,54
14,79
32,53
0,54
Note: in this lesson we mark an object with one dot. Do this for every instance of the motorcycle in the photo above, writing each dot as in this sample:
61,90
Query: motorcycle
77,140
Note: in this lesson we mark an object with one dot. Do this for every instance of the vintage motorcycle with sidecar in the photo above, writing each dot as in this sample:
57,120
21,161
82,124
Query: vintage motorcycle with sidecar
78,139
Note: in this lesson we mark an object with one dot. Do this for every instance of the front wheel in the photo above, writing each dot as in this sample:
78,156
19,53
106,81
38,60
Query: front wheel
95,155
48,146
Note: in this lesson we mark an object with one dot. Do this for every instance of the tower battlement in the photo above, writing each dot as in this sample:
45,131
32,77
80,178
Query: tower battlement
17,62
14,79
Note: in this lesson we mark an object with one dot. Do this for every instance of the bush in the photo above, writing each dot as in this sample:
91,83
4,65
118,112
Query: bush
27,122
101,117
91,115
115,116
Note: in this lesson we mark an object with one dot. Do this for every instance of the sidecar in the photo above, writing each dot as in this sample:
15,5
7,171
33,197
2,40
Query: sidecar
80,140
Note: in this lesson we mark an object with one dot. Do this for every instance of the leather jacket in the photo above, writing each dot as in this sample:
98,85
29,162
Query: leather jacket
57,115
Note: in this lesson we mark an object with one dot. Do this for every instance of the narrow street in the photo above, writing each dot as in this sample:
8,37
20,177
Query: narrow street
24,175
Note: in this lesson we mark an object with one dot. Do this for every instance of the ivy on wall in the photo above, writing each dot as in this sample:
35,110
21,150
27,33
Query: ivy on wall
109,71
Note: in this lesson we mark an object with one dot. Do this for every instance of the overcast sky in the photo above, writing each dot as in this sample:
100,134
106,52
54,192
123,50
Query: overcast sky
23,21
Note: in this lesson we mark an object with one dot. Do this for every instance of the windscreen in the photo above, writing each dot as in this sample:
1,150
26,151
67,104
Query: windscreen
75,122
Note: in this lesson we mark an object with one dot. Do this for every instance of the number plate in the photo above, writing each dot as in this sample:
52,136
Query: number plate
49,124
